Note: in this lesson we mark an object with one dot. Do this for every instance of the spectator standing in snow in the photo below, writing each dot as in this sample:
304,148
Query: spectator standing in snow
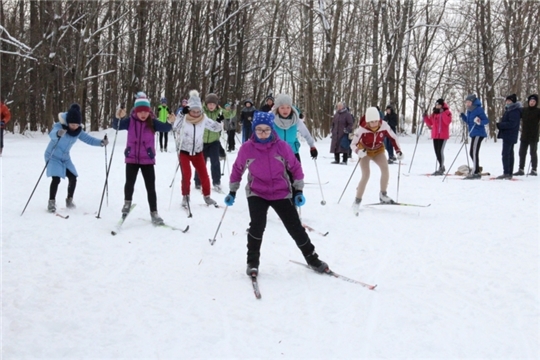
229,125
267,158
64,135
476,120
287,124
530,127
140,152
439,123
508,132
391,119
268,104
246,118
163,112
368,144
189,127
5,116
341,128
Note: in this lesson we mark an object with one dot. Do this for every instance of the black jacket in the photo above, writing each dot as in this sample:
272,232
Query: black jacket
530,124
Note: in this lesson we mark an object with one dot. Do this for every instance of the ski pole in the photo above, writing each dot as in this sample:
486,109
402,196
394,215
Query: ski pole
178,149
105,186
398,177
417,138
323,202
529,169
106,171
349,180
461,148
212,241
46,163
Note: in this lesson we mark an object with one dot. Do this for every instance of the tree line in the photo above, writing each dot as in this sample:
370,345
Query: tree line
403,53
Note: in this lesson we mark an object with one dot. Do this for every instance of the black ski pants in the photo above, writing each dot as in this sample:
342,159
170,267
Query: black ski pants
438,145
285,209
523,145
149,177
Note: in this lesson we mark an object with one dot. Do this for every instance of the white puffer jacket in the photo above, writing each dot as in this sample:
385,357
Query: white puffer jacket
189,137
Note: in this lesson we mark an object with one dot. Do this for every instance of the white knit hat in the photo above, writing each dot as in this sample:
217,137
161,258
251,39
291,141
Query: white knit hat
194,101
283,99
372,114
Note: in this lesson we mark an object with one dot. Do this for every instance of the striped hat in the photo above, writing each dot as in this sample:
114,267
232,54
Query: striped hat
141,103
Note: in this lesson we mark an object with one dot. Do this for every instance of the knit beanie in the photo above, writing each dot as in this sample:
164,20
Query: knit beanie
283,99
440,102
194,101
533,97
248,101
262,118
471,97
211,99
372,114
141,103
512,98
226,105
73,115
269,98
163,100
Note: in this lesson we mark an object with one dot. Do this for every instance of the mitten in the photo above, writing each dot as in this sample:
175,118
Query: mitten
463,117
229,199
60,133
185,110
313,151
299,199
105,141
477,120
361,153
399,155
220,118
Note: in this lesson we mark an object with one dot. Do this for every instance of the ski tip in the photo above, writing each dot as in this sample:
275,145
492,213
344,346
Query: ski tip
113,233
372,287
212,241
326,233
186,229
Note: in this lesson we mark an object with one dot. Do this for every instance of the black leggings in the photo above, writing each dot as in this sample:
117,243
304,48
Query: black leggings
149,177
161,136
285,209
476,141
438,145
72,184
345,157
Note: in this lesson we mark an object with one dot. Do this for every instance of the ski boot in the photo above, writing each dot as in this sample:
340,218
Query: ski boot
520,172
156,219
51,207
209,201
185,201
385,199
126,208
70,204
315,263
356,206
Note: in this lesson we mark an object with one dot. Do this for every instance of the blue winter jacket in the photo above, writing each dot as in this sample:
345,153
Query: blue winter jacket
509,124
477,111
61,159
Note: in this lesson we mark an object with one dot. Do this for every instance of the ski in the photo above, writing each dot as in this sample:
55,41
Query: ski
316,183
167,226
398,204
62,216
216,205
255,285
310,229
511,179
332,273
121,222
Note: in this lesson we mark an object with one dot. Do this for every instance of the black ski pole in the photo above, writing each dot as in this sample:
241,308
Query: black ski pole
108,170
45,167
417,138
529,169
355,166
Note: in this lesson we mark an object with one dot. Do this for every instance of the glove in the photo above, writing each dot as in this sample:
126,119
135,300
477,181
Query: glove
60,133
105,141
301,116
399,155
229,199
313,151
185,110
477,120
463,117
498,125
299,199
361,153
220,118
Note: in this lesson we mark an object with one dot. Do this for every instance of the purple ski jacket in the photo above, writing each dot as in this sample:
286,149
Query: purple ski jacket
267,166
140,147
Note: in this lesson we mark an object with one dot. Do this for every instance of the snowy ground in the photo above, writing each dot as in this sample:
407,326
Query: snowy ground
456,280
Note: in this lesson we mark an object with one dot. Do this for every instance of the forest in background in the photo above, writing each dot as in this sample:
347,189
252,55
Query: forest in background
367,52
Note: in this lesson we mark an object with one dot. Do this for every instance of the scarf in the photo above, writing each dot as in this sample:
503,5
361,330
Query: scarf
194,120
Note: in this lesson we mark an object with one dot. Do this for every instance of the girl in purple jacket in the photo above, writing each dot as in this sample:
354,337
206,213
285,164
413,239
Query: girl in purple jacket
267,159
140,152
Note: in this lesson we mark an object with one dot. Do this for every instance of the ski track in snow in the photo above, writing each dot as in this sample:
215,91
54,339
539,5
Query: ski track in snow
459,279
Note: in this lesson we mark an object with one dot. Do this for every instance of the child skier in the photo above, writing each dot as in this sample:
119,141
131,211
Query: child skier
140,152
267,159
189,127
368,144
59,165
